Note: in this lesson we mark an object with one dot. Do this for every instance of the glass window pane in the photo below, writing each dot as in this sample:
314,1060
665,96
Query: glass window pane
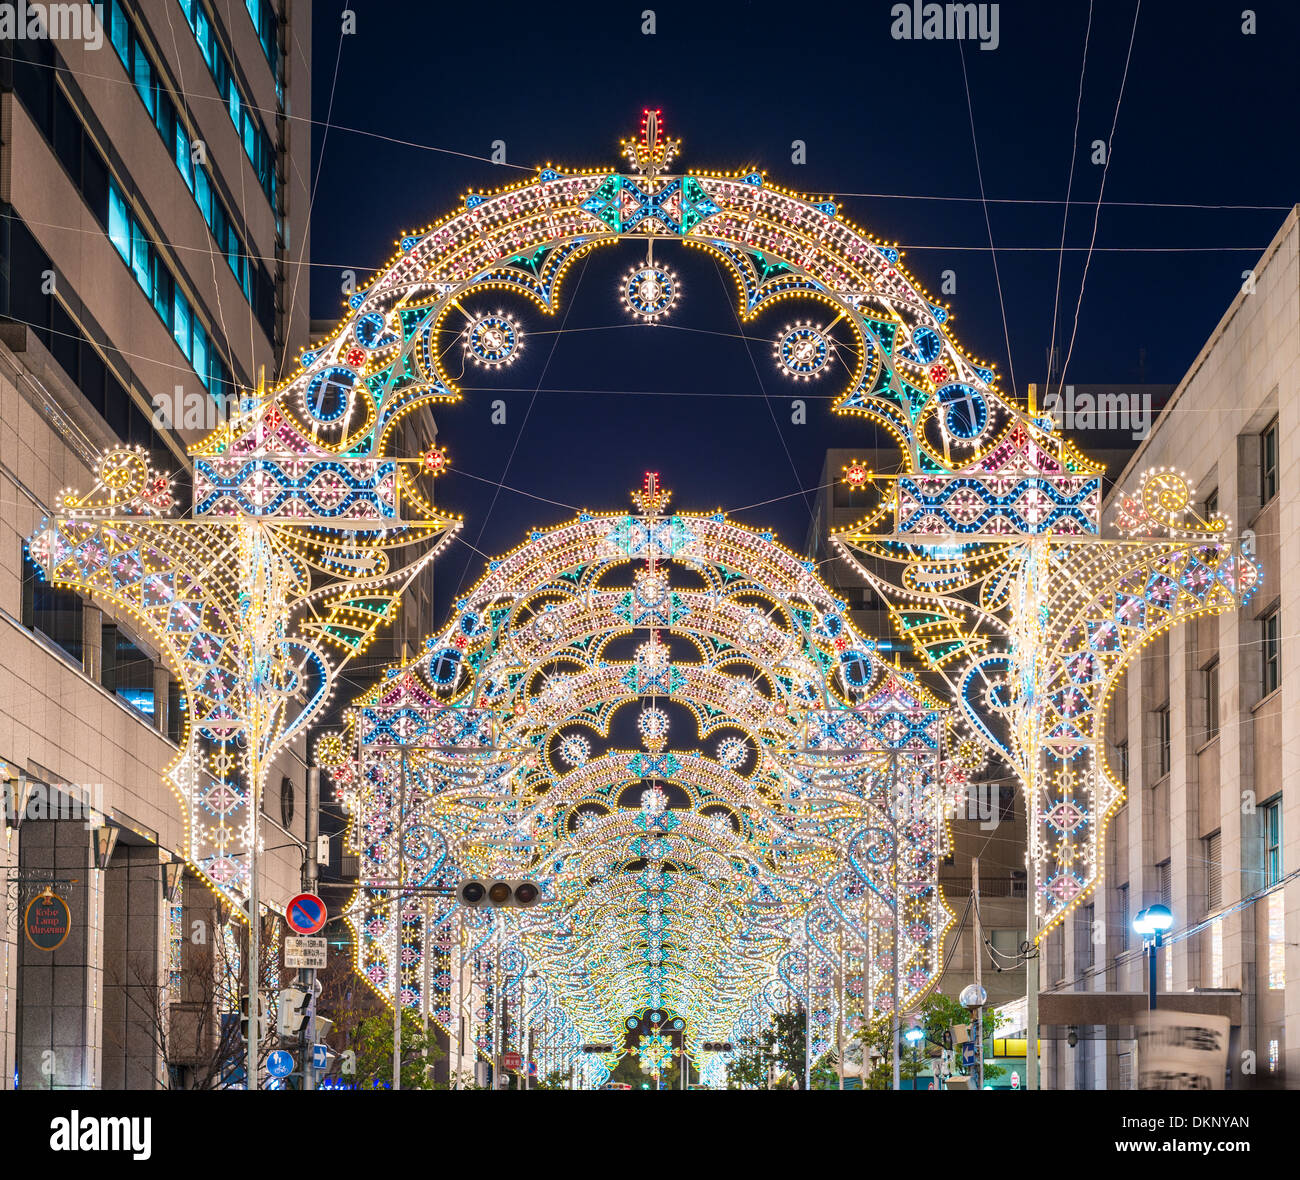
199,357
181,322
140,257
119,223
118,33
144,78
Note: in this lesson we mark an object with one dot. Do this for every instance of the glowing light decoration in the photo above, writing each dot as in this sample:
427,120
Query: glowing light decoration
803,352
650,292
493,340
673,880
1001,577
254,611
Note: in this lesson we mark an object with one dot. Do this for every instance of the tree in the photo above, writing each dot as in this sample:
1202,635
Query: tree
557,1079
938,1014
190,1009
372,1042
778,1047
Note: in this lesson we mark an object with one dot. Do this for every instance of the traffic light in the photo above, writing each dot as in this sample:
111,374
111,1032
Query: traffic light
598,1047
716,1046
498,893
263,1016
471,893
293,1011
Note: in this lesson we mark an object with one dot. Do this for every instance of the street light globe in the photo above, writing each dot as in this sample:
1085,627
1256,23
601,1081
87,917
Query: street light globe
973,996
1142,923
914,1034
1159,918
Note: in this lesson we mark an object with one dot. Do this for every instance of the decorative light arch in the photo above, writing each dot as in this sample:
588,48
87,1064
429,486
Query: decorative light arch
677,877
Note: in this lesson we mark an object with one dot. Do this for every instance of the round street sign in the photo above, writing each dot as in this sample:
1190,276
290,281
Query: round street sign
280,1063
511,1061
47,921
306,913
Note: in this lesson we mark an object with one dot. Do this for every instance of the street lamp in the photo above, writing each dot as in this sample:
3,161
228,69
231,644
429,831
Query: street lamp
914,1035
974,997
1152,923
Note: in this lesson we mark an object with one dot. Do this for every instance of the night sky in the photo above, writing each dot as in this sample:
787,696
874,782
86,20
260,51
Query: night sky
1208,118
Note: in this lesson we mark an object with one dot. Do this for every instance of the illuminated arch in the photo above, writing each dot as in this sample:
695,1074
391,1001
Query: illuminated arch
745,836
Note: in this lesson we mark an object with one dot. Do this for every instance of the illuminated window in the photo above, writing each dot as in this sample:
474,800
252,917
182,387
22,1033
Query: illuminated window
1216,953
1276,940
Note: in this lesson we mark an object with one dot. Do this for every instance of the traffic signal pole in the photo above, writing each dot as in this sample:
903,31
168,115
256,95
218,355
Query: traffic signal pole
310,873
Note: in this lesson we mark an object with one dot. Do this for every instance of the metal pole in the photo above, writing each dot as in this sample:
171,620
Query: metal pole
839,1007
1031,985
1153,954
310,873
254,941
895,1023
498,1011
397,930
459,1033
807,1016
979,973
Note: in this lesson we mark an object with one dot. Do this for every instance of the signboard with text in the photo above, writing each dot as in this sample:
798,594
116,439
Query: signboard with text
306,953
47,921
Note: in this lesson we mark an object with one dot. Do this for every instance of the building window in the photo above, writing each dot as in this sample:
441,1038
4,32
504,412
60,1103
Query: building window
1124,917
1276,940
126,671
1210,685
1087,919
1211,504
1271,637
1163,744
1268,462
1121,760
1216,953
1213,872
1165,882
1273,1056
55,613
1271,814
1007,945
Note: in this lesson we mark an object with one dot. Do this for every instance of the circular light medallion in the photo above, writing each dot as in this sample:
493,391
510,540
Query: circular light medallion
650,292
493,340
328,396
803,352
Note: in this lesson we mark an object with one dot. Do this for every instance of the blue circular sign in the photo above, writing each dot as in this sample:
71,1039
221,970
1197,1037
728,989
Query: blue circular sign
279,1064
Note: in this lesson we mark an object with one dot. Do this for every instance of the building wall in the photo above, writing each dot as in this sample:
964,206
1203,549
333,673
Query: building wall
1246,377
72,120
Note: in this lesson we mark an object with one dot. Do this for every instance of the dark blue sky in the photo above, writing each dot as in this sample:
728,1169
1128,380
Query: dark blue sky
1208,118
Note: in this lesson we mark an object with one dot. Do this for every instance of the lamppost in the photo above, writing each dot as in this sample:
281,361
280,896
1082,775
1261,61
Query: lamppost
914,1035
974,997
1152,923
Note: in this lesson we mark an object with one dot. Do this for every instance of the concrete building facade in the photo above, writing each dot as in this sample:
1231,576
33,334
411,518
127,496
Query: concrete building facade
154,176
1204,731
